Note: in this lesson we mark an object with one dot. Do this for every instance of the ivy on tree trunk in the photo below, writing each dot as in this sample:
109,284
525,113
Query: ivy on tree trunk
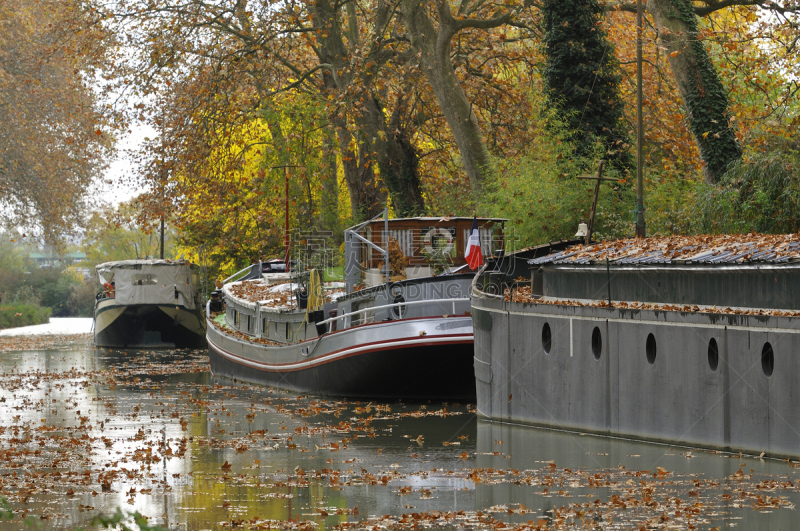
582,78
704,97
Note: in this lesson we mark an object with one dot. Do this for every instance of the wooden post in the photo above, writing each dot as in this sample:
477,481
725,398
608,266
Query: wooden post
599,177
594,201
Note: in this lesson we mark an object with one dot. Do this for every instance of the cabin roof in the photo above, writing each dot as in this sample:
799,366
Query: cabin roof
708,250
123,264
429,220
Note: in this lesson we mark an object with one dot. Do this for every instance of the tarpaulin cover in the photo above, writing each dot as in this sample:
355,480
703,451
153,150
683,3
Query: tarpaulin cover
150,281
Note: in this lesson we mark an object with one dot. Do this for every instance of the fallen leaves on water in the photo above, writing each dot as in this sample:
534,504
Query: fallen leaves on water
145,425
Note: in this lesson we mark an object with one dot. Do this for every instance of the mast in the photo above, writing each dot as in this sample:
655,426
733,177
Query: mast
286,208
162,237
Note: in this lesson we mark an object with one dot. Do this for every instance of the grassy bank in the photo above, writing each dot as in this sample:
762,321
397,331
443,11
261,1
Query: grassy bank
16,315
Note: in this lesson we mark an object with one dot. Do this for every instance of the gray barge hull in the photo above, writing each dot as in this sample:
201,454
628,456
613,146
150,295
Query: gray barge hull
416,359
721,381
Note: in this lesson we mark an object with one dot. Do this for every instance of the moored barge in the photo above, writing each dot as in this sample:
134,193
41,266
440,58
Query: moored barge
397,328
148,304
684,340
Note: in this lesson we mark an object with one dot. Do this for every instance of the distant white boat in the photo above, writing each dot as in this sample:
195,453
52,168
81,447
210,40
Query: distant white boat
147,304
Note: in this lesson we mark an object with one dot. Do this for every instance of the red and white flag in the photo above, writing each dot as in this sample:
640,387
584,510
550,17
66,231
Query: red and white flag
473,251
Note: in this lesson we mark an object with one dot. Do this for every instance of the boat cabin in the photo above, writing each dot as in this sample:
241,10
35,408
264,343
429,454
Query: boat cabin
416,247
133,282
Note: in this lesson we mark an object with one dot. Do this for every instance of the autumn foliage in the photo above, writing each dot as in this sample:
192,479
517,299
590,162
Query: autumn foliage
54,134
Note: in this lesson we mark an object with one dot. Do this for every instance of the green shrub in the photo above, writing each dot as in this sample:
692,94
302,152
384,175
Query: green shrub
670,204
16,315
80,302
544,201
761,195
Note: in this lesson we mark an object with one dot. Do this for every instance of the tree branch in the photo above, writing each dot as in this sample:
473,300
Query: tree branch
710,6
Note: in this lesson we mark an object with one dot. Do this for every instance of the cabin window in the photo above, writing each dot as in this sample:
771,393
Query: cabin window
144,279
405,239
486,235
250,323
441,240
235,314
265,327
287,331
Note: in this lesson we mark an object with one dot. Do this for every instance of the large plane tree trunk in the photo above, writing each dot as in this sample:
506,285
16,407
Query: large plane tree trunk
704,97
433,45
367,195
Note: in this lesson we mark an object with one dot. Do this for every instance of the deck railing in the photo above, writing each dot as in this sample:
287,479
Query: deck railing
387,306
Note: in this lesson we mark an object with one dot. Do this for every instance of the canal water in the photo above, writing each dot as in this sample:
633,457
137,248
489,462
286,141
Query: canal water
87,432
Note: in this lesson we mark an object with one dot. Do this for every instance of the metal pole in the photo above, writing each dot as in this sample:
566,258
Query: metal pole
162,237
286,227
641,228
386,245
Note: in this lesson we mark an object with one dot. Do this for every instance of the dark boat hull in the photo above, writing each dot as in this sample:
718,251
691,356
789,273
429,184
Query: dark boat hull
147,326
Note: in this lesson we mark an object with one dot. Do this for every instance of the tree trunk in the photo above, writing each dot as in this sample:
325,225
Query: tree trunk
367,197
396,157
329,202
433,46
704,97
582,78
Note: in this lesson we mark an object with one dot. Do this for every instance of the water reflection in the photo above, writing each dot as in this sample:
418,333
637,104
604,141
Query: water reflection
151,431
547,470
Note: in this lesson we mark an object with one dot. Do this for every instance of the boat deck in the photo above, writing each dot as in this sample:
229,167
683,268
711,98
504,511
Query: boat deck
276,296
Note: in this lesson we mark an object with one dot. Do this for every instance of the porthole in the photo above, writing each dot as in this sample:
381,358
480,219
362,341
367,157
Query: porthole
597,343
547,338
713,354
767,359
650,349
